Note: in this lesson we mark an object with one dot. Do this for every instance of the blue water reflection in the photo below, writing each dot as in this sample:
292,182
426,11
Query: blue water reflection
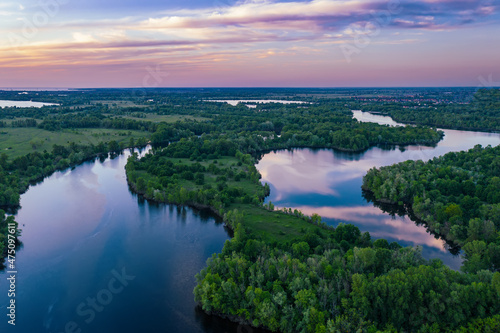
328,182
84,226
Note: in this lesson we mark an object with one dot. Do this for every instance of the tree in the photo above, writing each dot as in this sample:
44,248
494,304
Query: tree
113,146
476,256
300,250
381,243
141,184
199,178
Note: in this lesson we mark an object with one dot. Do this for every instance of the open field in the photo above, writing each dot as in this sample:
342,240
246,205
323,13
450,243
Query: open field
21,141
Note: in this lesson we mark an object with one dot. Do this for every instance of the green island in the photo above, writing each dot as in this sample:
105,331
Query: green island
282,270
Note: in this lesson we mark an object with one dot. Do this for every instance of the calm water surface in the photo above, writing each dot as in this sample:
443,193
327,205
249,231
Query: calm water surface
252,102
23,104
328,182
81,229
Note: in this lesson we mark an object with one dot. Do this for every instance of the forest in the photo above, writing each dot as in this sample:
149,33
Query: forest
457,196
283,270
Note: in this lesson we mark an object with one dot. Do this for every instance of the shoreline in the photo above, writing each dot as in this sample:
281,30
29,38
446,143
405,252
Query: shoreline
414,123
414,217
11,209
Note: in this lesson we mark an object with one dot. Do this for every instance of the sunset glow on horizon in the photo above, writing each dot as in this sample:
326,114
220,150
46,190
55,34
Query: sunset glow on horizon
253,43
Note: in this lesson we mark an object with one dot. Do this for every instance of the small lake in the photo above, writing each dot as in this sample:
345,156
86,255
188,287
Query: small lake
252,103
24,104
87,238
367,117
328,182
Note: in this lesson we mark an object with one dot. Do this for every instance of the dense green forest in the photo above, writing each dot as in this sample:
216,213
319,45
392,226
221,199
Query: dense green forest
457,195
326,125
339,281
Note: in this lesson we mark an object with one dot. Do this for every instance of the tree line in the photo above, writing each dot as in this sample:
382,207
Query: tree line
319,285
17,174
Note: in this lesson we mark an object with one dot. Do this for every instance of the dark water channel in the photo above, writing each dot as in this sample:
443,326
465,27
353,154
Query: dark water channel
96,258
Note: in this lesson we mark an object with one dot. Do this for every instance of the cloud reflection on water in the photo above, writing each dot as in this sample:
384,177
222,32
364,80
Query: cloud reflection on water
378,223
328,182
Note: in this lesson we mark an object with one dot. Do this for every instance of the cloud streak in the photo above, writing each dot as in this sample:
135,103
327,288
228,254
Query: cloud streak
245,28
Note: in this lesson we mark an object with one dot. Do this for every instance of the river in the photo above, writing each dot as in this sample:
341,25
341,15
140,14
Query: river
87,238
328,182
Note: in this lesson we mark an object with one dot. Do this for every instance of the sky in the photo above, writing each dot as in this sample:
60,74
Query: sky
249,43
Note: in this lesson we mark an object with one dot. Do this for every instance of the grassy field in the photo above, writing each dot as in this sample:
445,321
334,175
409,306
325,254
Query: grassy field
9,121
273,226
20,141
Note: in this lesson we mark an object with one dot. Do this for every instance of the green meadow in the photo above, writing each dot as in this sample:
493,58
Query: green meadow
16,142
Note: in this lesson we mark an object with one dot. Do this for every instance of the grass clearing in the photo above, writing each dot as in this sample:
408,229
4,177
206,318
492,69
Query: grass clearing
273,226
21,141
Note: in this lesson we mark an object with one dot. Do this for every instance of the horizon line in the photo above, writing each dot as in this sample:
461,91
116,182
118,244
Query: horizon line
256,87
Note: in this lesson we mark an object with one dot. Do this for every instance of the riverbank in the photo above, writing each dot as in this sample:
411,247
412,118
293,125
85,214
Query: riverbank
22,172
455,194
81,225
407,207
402,119
400,208
479,113
24,181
